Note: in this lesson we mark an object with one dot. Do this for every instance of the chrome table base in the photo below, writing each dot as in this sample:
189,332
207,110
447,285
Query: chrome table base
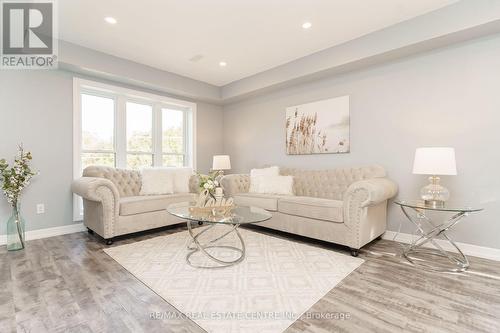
195,246
458,260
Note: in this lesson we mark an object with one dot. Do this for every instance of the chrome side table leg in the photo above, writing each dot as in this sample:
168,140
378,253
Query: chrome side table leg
459,261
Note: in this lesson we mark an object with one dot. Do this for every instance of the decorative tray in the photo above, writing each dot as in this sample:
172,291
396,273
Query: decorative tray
211,211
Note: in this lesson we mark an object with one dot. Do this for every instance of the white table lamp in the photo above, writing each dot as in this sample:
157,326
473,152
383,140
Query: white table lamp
221,162
435,161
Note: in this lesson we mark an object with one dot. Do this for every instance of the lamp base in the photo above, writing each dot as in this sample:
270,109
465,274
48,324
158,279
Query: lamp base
434,203
434,194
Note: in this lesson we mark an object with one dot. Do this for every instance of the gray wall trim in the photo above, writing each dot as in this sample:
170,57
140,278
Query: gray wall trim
93,63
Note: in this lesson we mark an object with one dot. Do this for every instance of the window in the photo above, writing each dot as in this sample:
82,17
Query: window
98,127
139,135
172,137
129,129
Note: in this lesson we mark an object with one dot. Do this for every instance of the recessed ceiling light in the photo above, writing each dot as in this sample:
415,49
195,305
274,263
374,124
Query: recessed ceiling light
110,20
307,25
222,64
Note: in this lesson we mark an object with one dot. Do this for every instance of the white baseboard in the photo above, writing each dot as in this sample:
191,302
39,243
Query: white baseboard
468,249
48,232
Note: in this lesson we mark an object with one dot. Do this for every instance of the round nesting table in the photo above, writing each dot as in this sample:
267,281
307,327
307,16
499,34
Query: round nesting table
239,215
417,211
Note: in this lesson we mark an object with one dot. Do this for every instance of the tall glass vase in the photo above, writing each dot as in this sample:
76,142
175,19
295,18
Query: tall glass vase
15,229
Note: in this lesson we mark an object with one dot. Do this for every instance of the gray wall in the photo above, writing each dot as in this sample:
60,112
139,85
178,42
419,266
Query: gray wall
449,97
36,108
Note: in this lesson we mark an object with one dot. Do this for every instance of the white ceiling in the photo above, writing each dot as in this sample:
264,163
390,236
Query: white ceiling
250,35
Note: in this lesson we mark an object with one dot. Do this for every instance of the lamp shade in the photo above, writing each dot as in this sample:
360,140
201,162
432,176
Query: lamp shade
221,162
435,161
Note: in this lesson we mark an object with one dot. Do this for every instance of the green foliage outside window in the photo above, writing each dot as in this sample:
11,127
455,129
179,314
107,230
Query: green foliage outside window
172,143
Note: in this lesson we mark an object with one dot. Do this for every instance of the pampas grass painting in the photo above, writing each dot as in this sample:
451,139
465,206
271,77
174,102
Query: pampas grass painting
318,128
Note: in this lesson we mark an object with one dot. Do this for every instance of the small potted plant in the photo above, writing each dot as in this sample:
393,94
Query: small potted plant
14,179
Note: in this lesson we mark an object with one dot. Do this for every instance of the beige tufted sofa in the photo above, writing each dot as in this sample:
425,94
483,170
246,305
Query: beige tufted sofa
346,206
112,204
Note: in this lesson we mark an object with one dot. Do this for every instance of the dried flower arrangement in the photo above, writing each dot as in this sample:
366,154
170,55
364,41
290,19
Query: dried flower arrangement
304,138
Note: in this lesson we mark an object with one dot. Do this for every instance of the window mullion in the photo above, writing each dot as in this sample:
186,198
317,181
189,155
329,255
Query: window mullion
97,151
136,152
121,133
186,137
157,136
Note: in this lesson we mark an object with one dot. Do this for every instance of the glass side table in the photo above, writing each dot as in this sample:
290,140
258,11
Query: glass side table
429,229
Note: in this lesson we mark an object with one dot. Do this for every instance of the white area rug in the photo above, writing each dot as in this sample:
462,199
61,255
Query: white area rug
278,281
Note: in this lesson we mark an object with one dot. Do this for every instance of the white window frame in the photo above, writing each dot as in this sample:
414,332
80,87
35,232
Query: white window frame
121,96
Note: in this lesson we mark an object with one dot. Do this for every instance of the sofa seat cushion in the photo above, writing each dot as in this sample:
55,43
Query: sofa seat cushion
265,201
314,208
151,203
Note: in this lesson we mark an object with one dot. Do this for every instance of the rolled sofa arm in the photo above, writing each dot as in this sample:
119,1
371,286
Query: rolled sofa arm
373,191
236,183
364,212
104,191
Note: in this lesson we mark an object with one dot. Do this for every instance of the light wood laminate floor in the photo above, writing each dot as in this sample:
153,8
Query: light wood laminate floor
68,284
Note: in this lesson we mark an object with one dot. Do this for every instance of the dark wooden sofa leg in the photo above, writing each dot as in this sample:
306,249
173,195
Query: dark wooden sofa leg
354,252
90,231
109,241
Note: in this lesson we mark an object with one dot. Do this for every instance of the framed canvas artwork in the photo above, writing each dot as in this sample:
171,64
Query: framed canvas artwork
320,127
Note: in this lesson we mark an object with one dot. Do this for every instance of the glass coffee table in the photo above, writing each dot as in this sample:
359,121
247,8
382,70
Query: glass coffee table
430,229
238,216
